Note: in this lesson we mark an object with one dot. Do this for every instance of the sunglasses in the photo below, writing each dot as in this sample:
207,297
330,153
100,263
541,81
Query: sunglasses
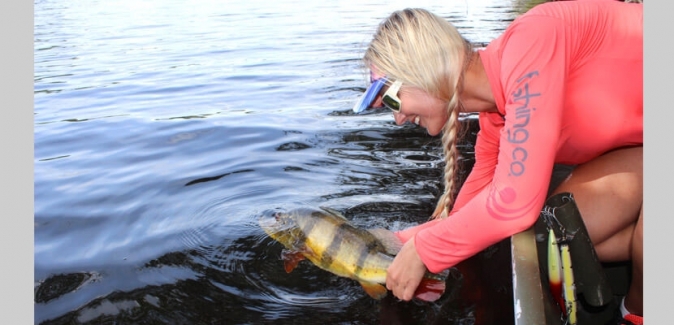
390,98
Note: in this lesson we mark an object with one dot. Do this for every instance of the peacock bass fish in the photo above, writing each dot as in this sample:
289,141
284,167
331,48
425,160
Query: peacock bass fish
329,241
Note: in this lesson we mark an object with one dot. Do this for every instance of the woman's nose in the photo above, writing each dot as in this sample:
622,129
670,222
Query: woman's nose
399,118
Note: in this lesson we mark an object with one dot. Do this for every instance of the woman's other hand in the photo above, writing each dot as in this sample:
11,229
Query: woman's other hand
406,271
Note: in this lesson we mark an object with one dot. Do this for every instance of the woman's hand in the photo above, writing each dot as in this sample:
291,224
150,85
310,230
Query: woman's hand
405,273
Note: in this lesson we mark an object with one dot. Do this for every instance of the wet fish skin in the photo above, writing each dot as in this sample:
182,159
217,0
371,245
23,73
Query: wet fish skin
329,241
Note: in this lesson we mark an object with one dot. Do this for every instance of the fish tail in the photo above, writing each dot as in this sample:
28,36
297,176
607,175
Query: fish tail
430,289
432,286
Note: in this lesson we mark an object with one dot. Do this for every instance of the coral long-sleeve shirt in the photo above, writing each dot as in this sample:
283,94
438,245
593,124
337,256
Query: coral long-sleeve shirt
567,78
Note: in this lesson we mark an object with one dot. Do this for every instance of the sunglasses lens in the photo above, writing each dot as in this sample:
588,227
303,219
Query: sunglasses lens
390,98
392,103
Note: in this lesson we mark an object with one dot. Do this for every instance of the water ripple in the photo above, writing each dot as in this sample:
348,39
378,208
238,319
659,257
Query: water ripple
163,130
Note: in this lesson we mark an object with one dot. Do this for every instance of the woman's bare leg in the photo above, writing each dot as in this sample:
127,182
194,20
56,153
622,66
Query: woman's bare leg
634,300
609,194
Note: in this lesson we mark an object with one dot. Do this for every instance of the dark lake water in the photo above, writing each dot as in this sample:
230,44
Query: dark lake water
164,129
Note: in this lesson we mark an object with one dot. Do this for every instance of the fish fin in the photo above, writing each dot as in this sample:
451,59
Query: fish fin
375,290
429,289
392,244
290,260
334,212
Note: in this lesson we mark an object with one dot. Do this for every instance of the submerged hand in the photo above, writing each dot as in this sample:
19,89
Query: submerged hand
405,273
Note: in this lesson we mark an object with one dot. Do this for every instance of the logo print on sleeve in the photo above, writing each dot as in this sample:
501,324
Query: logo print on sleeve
503,204
499,201
519,133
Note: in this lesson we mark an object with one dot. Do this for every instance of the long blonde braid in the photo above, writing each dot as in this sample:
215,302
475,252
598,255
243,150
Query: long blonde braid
425,51
449,138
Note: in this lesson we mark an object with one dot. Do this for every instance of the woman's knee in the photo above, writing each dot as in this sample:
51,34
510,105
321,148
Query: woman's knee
608,192
619,172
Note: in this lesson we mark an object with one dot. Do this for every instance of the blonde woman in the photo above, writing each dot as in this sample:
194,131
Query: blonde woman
562,84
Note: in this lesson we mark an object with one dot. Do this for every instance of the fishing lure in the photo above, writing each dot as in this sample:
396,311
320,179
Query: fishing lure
560,271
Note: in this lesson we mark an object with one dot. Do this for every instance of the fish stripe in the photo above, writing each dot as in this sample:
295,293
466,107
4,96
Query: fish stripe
307,227
333,249
372,246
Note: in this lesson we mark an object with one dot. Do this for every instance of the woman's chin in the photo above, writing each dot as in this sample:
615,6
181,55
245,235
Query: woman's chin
433,132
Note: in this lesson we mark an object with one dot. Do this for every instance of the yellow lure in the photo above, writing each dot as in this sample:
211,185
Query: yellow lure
569,286
555,270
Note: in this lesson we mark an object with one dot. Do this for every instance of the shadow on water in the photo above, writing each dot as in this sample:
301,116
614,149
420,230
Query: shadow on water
388,177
